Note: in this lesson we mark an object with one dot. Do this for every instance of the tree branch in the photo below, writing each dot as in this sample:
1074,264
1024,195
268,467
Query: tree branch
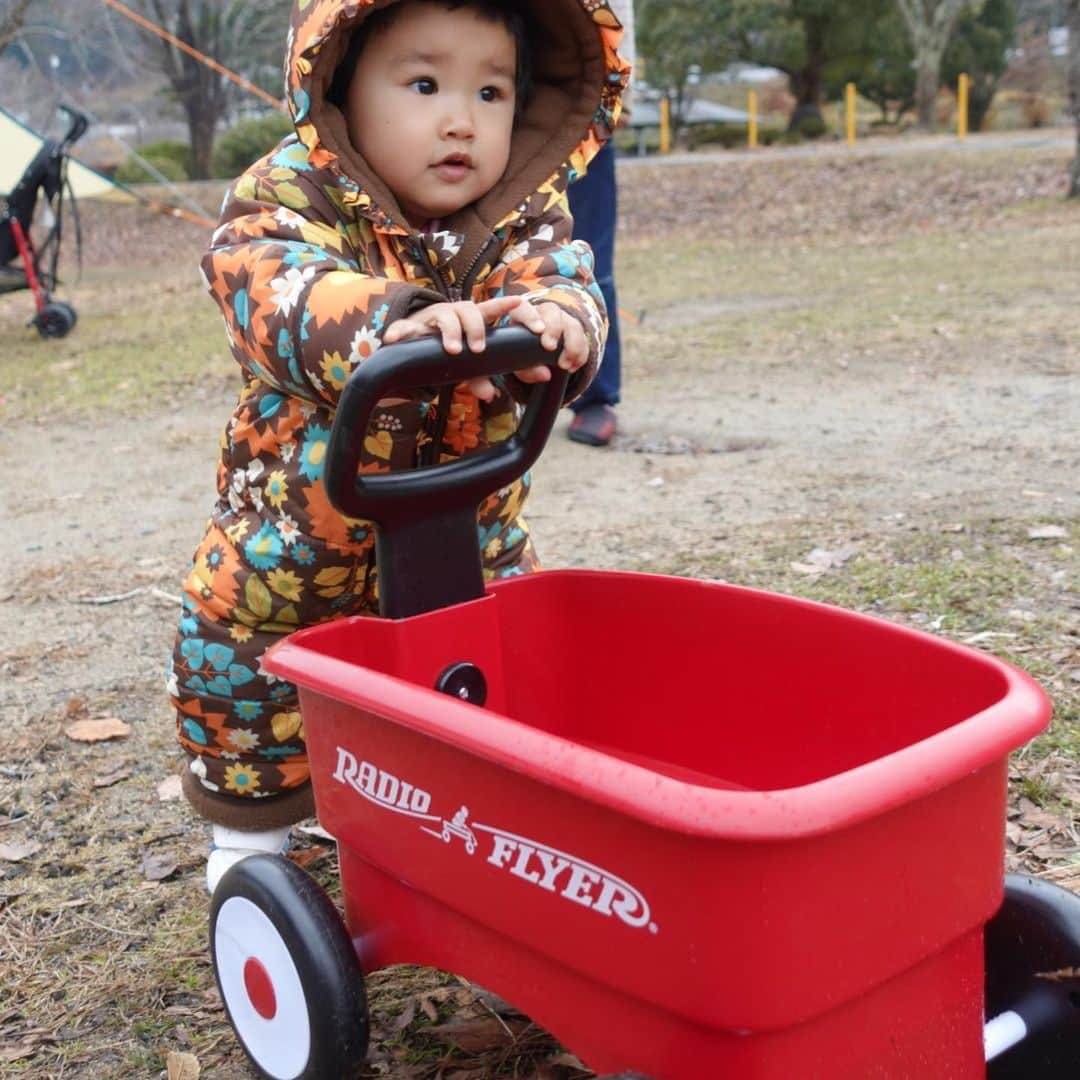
11,20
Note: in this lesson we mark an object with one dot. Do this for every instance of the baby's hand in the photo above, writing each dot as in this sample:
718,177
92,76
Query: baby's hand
553,325
454,322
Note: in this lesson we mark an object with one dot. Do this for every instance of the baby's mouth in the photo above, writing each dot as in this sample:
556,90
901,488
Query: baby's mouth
454,166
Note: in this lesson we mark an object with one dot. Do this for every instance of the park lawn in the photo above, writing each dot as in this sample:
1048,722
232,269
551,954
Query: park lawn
106,969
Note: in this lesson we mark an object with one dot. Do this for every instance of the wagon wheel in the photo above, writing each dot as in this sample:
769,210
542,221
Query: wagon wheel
1033,982
55,320
287,972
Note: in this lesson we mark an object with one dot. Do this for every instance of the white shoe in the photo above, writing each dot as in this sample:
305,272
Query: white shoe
231,845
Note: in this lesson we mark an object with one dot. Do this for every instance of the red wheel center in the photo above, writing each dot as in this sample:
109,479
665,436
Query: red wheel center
260,990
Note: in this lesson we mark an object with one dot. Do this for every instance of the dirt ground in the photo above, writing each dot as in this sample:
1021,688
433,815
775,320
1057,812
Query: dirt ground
786,394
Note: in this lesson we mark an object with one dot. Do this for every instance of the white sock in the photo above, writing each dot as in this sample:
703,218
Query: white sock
231,845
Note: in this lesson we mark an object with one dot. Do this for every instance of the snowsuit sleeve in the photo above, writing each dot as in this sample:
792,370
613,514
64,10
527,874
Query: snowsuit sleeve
546,264
300,308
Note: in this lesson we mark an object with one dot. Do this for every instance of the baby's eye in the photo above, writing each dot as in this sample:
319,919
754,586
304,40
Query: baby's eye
491,93
424,86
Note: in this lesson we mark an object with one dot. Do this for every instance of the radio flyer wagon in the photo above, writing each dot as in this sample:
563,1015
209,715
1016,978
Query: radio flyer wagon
765,846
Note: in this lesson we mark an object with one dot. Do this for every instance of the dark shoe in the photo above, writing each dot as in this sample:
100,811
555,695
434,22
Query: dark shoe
594,425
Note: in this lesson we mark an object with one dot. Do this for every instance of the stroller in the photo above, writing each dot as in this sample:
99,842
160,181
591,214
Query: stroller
22,265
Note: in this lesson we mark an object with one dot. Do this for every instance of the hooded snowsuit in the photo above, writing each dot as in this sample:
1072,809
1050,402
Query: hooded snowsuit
312,261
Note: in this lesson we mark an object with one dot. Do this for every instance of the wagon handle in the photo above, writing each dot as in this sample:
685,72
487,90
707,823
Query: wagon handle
426,539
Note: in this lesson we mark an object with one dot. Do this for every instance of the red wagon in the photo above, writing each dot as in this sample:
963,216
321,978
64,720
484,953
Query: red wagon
766,847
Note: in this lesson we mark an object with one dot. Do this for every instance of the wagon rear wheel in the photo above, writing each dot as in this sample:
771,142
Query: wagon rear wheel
1033,982
287,972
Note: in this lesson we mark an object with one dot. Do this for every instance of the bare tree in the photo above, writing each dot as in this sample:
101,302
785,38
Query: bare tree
1072,22
248,38
12,17
930,23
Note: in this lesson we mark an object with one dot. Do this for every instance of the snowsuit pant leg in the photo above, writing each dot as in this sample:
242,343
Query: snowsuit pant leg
241,729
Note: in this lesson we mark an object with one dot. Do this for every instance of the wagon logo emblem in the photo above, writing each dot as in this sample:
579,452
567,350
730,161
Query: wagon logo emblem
456,826
531,861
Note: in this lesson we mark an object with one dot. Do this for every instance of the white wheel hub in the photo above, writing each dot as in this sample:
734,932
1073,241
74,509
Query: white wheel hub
262,989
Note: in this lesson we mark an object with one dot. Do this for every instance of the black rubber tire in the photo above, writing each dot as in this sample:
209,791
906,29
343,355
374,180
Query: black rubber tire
72,314
55,320
1036,932
269,911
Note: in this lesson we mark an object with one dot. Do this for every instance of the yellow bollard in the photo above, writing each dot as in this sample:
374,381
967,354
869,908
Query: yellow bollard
665,126
751,123
849,113
962,93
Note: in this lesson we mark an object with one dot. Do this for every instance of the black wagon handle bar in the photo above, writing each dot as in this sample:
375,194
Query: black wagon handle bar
400,497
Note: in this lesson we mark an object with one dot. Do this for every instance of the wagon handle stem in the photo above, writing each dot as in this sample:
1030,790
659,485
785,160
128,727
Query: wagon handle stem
426,541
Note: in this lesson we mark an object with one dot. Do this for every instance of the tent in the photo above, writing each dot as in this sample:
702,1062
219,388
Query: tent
19,144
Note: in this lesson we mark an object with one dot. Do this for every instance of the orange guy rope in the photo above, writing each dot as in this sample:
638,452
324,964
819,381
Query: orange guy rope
176,212
172,39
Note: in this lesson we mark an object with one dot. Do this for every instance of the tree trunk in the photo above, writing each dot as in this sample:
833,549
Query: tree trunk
927,84
202,127
930,23
807,84
1074,172
1072,22
12,17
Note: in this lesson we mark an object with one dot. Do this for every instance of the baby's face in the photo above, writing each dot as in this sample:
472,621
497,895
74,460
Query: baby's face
431,107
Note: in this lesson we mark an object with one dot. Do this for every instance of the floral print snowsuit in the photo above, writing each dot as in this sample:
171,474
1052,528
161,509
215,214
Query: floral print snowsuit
311,262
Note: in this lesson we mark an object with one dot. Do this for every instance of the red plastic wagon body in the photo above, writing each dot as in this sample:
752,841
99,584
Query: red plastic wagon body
728,834
764,847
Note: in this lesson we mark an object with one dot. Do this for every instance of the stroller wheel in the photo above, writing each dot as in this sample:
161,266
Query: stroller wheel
55,320
287,972
1033,982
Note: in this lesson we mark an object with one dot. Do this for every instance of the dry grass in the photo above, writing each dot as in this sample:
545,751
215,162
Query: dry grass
103,971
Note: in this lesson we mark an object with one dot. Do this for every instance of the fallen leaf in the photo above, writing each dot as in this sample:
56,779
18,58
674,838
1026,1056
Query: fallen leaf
306,858
114,777
1060,975
404,1018
567,1060
170,789
476,1035
316,832
1047,532
18,851
157,866
182,1066
19,1051
74,707
1035,817
100,730
821,561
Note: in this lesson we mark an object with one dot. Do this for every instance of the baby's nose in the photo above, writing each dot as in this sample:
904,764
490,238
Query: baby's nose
459,122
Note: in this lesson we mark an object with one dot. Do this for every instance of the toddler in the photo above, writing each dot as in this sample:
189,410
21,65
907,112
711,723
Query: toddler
423,193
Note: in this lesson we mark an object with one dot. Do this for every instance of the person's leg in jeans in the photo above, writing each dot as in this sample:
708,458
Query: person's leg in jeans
594,205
